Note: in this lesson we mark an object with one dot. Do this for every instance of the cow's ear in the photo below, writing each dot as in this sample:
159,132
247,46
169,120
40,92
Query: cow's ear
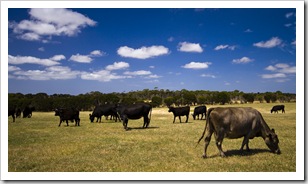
273,130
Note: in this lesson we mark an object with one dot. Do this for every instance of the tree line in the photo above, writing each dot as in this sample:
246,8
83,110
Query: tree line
162,97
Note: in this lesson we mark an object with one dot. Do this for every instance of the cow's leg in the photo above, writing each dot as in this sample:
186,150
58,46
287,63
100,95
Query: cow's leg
146,121
180,119
208,135
67,122
60,122
13,117
219,139
125,122
187,118
174,119
245,142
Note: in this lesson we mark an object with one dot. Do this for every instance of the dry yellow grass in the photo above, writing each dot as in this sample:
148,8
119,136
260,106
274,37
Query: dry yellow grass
38,144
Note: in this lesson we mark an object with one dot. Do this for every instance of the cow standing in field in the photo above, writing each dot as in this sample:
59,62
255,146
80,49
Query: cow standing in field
104,110
199,110
68,114
232,123
277,108
135,111
180,111
27,113
12,112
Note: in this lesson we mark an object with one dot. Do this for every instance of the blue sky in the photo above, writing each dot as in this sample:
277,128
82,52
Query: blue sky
117,50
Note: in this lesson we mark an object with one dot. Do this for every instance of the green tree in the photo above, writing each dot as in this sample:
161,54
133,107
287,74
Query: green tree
222,97
169,101
189,98
249,97
156,101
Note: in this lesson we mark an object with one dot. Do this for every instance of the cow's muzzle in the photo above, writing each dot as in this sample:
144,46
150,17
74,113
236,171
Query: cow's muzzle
278,152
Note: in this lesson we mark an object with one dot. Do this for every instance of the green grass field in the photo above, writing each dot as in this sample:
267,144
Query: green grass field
38,144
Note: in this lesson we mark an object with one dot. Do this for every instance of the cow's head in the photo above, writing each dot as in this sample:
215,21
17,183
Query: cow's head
171,109
194,116
272,141
57,112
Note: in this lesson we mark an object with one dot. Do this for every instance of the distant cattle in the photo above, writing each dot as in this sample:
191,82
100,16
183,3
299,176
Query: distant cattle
199,110
27,113
233,122
277,108
135,111
104,110
12,112
68,114
180,111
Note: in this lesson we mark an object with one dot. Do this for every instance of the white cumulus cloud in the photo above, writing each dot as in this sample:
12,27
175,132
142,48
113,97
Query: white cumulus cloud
17,60
97,53
143,52
117,66
50,73
280,70
189,47
208,75
81,58
243,60
45,22
276,75
221,47
102,76
86,58
197,65
139,72
273,42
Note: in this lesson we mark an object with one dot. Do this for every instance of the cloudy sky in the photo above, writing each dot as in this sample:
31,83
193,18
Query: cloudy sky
116,50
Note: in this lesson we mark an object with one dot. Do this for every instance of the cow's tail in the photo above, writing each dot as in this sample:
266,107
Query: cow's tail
207,121
149,117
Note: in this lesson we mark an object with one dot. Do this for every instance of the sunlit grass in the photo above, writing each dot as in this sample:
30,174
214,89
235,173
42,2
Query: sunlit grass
38,144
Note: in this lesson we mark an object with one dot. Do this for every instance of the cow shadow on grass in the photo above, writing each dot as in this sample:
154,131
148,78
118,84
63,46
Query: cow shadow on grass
140,128
178,123
229,153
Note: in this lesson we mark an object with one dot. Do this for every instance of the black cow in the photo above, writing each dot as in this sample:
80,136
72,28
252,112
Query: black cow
277,108
18,113
12,112
199,110
104,110
180,111
68,114
135,111
232,123
27,113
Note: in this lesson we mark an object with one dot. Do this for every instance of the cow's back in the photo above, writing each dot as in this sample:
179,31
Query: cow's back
235,122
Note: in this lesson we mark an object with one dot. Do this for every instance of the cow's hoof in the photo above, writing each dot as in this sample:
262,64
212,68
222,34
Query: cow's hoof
204,156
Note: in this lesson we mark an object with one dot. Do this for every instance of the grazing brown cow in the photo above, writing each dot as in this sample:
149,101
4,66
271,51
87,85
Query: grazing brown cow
232,123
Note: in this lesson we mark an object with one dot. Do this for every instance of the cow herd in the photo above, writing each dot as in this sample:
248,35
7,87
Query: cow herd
228,122
16,112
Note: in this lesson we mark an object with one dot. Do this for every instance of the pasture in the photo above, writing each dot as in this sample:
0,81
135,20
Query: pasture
37,144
